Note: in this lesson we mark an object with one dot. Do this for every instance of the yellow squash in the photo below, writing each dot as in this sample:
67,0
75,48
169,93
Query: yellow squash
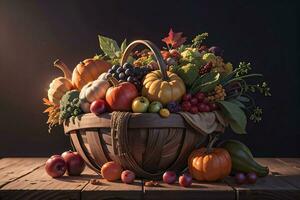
59,86
163,89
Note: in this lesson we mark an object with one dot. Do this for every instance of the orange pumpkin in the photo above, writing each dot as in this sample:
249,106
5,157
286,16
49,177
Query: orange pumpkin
59,86
88,70
209,165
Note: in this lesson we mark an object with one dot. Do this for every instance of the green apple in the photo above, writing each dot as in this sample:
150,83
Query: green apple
140,105
155,106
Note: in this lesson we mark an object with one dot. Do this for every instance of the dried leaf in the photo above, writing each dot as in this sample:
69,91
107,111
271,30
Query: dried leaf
47,102
48,110
174,39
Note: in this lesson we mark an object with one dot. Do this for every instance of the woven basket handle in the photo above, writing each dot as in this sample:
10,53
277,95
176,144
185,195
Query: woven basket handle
160,61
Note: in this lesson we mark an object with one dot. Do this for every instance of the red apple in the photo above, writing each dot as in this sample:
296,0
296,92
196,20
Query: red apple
185,180
120,96
55,166
127,176
98,107
111,171
169,177
75,163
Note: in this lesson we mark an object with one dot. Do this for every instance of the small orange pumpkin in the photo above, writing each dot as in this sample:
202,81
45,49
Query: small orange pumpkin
59,86
209,164
89,70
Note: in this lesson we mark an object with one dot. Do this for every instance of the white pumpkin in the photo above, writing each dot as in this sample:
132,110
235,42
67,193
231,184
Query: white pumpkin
93,91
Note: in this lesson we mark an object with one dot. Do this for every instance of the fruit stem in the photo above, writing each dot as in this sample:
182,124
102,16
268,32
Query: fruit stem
64,68
113,81
212,141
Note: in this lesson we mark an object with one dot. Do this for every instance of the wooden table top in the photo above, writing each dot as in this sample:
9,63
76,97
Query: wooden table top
25,178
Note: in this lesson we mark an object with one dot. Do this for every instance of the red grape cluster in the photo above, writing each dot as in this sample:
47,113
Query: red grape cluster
129,73
197,103
205,69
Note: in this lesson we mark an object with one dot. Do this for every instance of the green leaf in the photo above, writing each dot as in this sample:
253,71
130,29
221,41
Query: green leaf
237,102
235,115
206,82
209,86
123,46
109,46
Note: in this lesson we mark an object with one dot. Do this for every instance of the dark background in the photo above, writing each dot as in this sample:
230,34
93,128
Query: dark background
34,33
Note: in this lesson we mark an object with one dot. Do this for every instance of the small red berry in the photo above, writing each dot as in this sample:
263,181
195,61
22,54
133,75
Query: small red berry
200,96
186,97
207,108
202,107
194,101
186,106
251,177
213,106
194,110
206,100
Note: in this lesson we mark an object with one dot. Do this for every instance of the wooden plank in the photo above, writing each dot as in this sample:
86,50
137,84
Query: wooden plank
287,172
274,186
203,191
38,185
13,168
295,162
112,190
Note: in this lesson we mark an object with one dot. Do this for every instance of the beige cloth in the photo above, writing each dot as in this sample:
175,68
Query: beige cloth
205,122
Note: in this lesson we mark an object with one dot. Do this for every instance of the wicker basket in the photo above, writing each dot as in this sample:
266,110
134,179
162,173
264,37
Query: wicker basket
151,145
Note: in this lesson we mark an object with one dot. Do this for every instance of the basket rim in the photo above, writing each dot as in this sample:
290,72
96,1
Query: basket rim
137,120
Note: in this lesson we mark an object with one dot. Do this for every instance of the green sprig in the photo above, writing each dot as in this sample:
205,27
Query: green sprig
263,88
256,115
242,69
197,41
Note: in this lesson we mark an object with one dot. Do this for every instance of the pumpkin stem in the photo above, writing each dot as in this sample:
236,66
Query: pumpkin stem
212,141
64,68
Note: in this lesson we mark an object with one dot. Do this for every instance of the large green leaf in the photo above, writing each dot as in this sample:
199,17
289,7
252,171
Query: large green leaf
123,46
235,115
109,46
237,102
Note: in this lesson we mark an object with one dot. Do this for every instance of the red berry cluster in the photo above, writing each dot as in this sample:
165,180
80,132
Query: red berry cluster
197,103
205,69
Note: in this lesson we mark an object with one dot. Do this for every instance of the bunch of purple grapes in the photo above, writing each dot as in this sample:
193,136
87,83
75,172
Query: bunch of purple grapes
129,73
174,107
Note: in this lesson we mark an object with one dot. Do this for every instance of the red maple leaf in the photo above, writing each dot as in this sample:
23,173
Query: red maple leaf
174,39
